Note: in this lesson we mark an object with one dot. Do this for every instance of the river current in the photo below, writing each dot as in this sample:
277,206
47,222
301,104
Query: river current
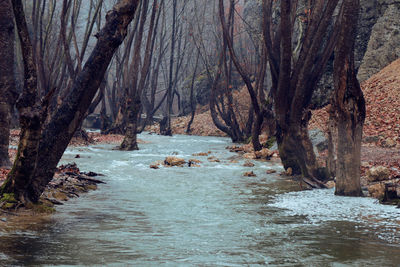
206,216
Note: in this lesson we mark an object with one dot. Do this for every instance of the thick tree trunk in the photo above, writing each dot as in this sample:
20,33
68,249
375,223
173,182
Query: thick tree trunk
7,78
296,152
350,105
61,127
31,118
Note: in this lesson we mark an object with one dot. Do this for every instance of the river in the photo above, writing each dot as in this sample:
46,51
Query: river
206,216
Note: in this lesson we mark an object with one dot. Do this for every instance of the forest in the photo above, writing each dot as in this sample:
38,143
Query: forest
203,132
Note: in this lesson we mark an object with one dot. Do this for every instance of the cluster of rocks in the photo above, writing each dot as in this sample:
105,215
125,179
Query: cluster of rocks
264,154
69,182
173,161
248,152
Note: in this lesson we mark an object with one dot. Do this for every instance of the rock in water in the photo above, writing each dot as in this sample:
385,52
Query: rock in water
174,161
249,174
248,164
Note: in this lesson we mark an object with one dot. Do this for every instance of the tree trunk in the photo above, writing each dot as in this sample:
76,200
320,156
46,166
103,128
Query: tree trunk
350,105
167,130
7,78
31,116
130,140
192,101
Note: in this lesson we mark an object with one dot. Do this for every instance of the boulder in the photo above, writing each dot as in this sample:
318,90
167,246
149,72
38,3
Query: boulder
264,153
377,190
174,161
270,171
378,173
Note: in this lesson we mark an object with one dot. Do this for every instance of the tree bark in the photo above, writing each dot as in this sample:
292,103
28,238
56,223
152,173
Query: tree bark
349,104
7,78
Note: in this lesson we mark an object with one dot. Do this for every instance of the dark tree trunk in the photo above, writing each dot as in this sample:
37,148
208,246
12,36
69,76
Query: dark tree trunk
130,141
31,118
38,171
349,104
167,130
192,101
7,78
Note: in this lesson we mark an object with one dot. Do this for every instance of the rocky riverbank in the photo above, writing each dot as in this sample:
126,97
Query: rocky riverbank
68,182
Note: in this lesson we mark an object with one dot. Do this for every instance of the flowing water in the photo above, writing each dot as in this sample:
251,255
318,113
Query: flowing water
206,216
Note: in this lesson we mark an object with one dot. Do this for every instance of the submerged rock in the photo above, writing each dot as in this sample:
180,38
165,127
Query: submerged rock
249,174
213,159
248,164
201,154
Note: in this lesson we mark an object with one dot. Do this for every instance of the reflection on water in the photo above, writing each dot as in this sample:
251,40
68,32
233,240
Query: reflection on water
207,216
